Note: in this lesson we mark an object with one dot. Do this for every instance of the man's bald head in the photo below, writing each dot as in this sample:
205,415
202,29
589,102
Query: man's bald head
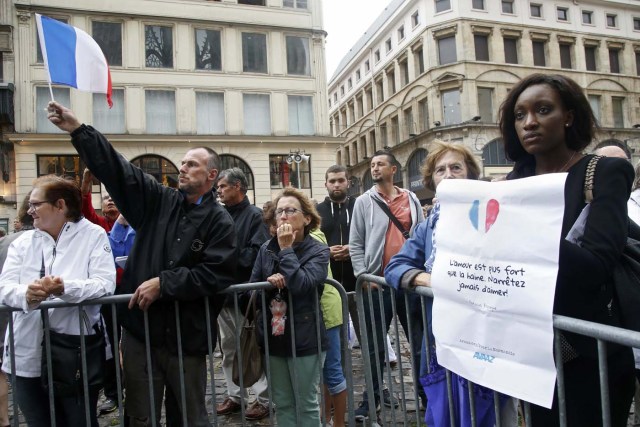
611,151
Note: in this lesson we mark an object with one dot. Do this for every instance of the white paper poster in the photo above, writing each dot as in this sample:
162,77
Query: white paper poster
494,281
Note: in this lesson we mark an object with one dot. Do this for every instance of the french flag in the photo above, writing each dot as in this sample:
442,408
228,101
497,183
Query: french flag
73,58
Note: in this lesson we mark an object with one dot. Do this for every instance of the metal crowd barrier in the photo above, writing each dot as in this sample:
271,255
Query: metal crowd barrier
602,333
234,291
406,391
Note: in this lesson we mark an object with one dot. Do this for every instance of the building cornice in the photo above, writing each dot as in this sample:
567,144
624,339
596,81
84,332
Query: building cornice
542,30
24,10
26,139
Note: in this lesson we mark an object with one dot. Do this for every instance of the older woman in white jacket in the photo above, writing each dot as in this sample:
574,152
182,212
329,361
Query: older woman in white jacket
68,258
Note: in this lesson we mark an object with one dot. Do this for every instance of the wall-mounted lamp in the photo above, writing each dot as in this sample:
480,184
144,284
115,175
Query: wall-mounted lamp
436,123
472,119
636,126
297,156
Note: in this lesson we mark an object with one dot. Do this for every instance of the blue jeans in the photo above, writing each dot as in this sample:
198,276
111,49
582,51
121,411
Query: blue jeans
33,400
332,369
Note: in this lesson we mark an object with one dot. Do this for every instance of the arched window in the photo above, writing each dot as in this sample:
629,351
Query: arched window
493,154
354,186
414,164
159,167
228,161
367,181
415,176
495,162
398,181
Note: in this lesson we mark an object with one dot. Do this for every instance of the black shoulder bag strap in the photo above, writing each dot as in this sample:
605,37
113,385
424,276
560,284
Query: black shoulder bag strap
392,217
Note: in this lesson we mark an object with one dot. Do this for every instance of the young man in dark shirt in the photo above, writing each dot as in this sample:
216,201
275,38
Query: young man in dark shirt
336,211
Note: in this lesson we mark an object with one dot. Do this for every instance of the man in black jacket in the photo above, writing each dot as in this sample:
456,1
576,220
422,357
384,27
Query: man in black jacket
184,251
336,211
250,235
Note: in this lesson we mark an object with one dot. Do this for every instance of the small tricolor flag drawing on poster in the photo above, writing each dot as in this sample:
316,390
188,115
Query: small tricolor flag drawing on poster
73,58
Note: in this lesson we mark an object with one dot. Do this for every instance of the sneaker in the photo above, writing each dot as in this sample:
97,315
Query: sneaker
109,405
389,400
257,411
362,413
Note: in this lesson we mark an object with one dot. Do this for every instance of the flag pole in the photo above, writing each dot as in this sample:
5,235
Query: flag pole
51,91
44,54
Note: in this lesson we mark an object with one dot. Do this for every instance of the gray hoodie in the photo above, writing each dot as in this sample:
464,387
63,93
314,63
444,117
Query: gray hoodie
369,226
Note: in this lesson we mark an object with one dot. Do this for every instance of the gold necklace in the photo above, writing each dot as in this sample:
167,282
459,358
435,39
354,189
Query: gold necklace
564,168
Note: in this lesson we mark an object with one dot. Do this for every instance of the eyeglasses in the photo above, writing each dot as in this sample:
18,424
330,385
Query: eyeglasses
35,205
287,211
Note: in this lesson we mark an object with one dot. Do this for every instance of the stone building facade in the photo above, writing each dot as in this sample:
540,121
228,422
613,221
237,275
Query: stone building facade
429,69
244,77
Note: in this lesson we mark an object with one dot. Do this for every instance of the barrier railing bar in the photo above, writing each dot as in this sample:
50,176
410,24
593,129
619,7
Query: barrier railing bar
346,357
183,393
47,340
472,404
425,333
376,346
414,369
562,409
604,383
595,330
346,354
207,316
396,343
14,386
296,396
364,345
452,414
115,348
326,417
527,414
147,343
267,362
83,364
239,319
496,408
387,362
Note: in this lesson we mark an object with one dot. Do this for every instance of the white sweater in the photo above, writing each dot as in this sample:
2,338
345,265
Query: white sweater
81,256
